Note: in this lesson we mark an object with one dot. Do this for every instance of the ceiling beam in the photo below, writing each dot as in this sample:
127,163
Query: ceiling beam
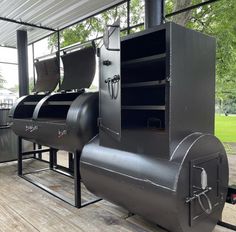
27,24
10,63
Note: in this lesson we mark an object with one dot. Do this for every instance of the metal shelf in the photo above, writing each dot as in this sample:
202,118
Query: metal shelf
144,84
144,60
144,107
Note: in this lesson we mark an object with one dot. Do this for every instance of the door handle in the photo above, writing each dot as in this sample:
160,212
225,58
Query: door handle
113,86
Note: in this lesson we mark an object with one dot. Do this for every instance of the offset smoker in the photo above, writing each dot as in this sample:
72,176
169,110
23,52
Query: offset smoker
156,154
65,120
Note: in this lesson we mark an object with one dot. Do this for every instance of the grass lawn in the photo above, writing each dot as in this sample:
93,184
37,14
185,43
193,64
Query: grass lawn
225,128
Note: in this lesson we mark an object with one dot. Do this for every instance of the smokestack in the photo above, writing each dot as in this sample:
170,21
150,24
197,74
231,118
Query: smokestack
154,12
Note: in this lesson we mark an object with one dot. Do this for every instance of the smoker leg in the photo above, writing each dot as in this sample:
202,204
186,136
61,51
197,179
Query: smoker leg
34,148
20,172
40,153
227,225
55,158
77,180
71,167
51,156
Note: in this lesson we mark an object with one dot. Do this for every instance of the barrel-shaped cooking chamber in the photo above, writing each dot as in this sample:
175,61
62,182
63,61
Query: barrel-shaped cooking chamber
68,119
67,125
159,189
63,121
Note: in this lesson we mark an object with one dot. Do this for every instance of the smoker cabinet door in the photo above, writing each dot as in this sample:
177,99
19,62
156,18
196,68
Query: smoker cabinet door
110,83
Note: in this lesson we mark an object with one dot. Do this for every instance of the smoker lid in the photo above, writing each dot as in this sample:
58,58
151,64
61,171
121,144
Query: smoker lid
79,69
48,75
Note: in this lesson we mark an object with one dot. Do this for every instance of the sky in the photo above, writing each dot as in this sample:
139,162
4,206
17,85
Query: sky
10,72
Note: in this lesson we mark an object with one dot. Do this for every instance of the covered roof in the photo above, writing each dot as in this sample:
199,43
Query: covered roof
50,14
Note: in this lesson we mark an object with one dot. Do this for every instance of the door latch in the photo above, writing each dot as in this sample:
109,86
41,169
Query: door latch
201,192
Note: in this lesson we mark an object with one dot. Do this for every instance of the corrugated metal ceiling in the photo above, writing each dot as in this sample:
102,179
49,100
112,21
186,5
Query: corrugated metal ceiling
55,14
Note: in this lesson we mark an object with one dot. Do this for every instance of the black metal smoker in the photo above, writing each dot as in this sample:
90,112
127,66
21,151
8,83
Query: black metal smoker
62,121
156,154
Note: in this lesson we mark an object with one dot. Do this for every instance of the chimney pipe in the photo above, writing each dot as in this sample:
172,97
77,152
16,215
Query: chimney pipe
154,13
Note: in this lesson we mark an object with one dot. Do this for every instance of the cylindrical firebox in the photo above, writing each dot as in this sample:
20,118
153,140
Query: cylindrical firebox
183,194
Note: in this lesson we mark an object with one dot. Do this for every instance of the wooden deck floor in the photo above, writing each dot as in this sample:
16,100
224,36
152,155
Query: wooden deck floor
24,207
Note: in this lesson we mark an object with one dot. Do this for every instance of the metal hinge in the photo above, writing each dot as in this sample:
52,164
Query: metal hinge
98,52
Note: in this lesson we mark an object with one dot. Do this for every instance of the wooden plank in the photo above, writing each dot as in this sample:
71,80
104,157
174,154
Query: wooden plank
221,229
229,214
11,221
24,207
144,224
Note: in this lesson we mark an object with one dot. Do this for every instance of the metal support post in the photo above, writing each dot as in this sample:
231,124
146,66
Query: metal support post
22,47
51,156
55,158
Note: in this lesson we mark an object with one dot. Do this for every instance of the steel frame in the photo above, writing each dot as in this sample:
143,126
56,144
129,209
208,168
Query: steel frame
26,24
227,225
54,167
8,63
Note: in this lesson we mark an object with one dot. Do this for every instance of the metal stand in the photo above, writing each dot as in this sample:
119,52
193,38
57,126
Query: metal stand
74,168
227,225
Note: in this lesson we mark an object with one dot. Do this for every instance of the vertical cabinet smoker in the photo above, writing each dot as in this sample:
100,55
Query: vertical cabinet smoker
156,154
